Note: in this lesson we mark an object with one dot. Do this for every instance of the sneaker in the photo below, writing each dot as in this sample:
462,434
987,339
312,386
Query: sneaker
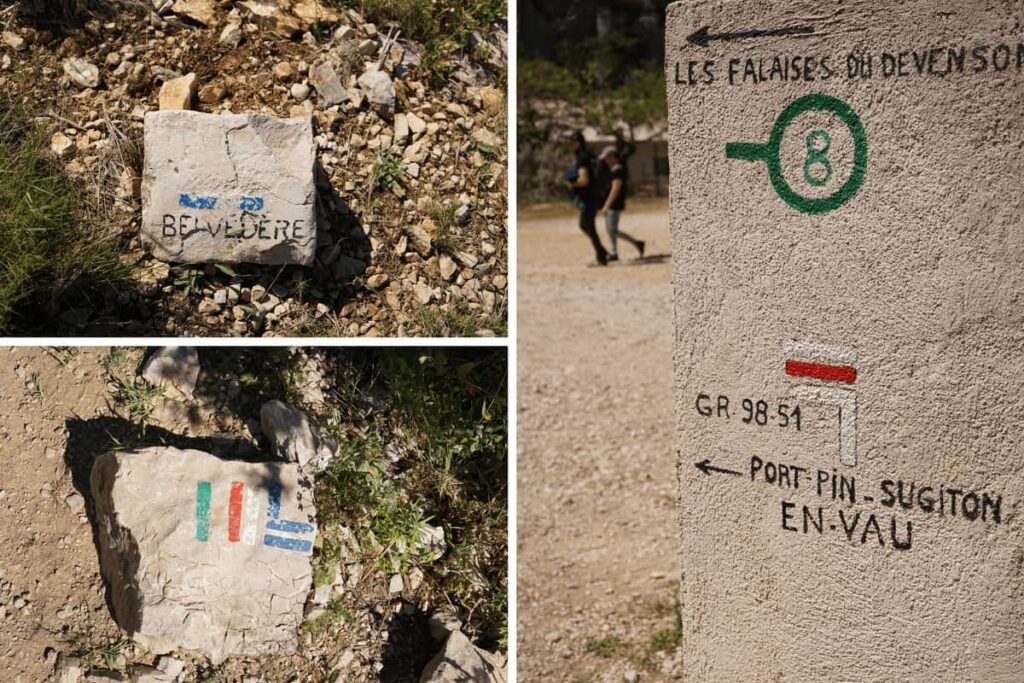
640,248
613,257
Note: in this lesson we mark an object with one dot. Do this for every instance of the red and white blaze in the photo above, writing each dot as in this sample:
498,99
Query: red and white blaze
830,373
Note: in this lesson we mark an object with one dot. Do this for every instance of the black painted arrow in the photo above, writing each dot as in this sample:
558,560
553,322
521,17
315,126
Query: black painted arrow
707,468
702,36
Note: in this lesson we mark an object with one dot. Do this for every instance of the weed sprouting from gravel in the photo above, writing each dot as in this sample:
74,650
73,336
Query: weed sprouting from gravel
437,457
334,613
132,394
49,250
388,171
443,215
457,320
96,655
603,647
444,27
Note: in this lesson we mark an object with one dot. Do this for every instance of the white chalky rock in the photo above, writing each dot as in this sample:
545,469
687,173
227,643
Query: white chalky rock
462,662
177,366
294,436
204,554
380,92
229,188
82,73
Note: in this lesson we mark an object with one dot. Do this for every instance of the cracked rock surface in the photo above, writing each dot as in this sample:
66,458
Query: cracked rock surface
229,188
204,554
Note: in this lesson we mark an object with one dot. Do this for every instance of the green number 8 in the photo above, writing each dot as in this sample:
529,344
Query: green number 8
818,143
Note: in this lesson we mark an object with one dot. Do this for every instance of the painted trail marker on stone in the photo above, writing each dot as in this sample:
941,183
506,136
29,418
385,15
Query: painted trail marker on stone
848,245
229,188
204,554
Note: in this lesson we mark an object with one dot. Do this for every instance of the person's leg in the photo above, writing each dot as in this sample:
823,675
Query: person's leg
611,225
589,228
639,244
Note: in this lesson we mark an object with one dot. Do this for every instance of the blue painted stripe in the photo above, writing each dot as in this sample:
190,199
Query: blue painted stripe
290,527
197,202
288,543
274,502
251,204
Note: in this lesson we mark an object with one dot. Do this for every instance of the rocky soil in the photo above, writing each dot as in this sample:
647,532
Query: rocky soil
61,408
412,187
598,549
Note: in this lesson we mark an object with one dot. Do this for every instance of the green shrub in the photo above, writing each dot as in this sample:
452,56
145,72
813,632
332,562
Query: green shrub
49,252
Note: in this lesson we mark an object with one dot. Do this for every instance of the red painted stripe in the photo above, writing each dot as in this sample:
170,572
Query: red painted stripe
235,510
829,373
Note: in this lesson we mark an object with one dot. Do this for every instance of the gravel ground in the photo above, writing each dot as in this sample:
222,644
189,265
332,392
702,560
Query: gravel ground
597,551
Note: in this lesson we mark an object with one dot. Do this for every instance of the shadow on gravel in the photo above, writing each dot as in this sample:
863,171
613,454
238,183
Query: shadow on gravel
648,260
88,439
408,649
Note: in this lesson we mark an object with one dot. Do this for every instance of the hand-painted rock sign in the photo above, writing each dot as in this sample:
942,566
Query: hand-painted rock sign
243,518
232,188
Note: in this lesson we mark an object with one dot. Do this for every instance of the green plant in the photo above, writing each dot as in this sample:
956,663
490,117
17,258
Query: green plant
333,613
604,647
443,216
137,399
51,251
458,320
388,171
96,655
665,639
445,413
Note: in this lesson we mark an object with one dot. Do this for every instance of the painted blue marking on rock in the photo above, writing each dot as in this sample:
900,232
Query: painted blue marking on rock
274,502
197,202
251,204
288,543
290,527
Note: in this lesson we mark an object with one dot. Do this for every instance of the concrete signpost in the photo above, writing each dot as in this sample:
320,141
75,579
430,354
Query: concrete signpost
847,214
229,188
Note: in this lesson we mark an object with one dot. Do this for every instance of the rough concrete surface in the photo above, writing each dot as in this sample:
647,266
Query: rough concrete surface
229,188
879,295
204,554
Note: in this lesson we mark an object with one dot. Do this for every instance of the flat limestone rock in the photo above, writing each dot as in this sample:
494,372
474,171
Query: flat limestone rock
229,188
204,554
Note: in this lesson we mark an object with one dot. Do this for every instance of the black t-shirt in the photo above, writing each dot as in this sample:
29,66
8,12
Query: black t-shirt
619,173
585,160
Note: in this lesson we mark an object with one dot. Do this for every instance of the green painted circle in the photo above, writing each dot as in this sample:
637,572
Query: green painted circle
817,102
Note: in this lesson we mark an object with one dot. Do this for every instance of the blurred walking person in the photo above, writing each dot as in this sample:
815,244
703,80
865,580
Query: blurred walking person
615,204
582,182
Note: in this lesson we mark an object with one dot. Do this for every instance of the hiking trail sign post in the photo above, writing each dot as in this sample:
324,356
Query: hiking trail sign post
847,215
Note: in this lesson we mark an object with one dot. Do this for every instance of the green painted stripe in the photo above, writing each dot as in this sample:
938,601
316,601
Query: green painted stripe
203,492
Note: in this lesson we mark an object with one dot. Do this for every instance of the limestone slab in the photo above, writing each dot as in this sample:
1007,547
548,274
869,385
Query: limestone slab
847,249
229,188
204,554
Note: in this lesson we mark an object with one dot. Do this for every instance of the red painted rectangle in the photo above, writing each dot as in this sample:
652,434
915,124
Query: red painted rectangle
235,510
829,373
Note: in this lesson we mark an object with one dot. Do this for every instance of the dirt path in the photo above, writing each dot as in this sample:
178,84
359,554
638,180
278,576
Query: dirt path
49,583
597,549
